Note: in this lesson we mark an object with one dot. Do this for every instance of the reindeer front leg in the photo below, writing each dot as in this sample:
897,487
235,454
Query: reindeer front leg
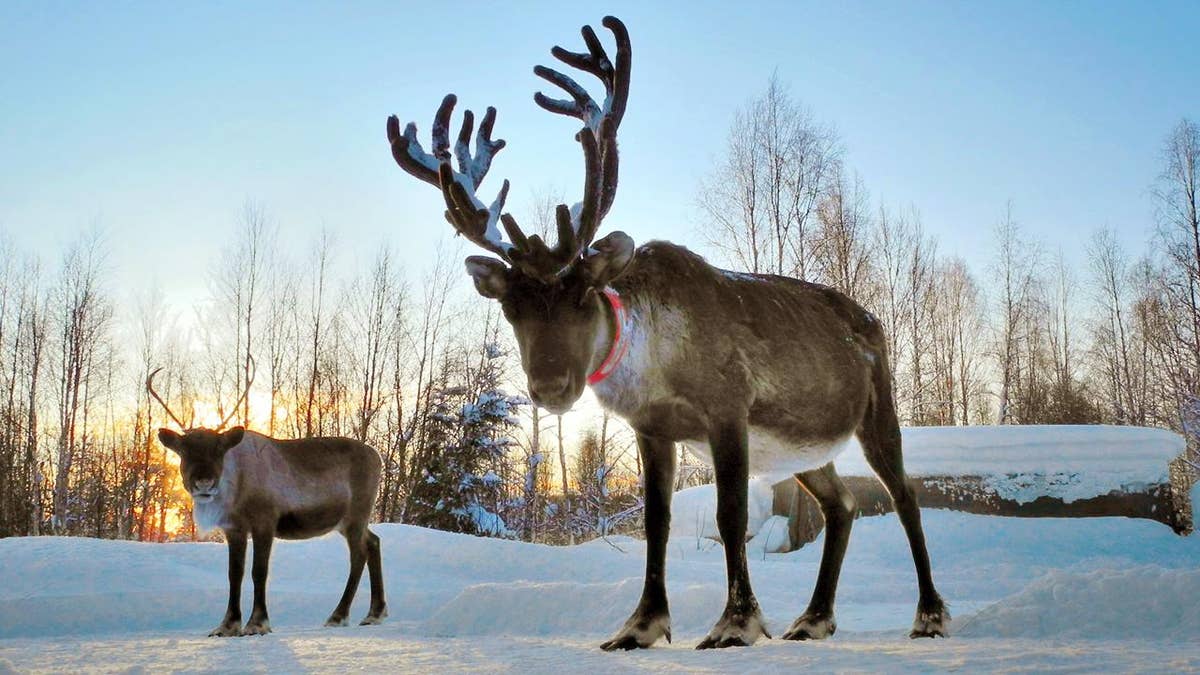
652,618
231,625
741,624
259,624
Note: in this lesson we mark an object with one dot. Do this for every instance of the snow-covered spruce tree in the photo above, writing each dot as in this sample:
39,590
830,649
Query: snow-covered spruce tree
471,422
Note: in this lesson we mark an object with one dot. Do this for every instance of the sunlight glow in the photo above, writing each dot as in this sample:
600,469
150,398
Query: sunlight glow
206,413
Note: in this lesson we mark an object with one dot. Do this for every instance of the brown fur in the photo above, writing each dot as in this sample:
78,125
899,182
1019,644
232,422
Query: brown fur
791,356
743,366
252,485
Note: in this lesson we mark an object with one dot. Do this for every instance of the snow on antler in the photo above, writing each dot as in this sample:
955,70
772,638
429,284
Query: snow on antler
469,216
481,224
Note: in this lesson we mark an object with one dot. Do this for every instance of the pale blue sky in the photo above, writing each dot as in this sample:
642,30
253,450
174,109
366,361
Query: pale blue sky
157,121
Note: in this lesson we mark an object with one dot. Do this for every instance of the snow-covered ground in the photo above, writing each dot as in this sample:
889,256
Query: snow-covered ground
1026,594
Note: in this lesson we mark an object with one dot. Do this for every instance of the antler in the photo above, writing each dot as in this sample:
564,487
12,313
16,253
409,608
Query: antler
150,390
464,211
245,393
599,135
576,226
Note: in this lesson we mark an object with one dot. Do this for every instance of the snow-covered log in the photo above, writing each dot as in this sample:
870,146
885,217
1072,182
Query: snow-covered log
1022,471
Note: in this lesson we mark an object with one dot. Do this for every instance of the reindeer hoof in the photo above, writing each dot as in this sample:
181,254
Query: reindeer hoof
257,628
639,632
736,628
373,619
811,627
336,622
931,624
228,629
933,620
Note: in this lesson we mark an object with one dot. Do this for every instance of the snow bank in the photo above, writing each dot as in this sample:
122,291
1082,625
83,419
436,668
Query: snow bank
1004,577
441,584
1142,602
1022,463
694,510
772,537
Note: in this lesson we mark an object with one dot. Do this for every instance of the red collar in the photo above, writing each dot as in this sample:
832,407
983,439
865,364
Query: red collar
620,343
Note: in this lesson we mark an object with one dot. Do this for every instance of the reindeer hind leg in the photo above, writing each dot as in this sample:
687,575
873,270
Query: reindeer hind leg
879,435
838,507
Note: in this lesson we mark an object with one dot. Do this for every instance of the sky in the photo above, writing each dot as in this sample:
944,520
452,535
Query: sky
156,122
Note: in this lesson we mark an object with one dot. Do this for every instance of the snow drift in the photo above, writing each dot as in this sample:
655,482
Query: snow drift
1043,594
1141,602
694,510
1028,578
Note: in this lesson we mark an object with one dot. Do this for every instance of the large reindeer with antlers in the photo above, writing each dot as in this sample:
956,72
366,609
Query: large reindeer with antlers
248,484
758,373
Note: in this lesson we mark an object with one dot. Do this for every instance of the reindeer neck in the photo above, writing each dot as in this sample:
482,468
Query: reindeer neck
611,340
625,389
659,318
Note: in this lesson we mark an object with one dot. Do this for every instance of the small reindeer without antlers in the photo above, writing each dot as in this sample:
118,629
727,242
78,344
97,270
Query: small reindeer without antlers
756,373
248,484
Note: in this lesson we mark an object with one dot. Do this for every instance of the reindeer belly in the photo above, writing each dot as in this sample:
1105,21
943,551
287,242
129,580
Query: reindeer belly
773,456
307,505
311,521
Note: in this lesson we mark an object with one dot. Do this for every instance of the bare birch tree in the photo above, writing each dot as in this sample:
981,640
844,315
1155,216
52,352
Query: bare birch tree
1112,338
761,199
1014,271
242,277
376,305
1178,195
840,245
83,314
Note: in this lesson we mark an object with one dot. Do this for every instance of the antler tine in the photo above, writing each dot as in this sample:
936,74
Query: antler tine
407,150
619,94
596,61
464,211
599,135
150,390
485,148
245,393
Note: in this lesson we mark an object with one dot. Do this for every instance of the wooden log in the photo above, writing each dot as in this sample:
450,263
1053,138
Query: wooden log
1166,503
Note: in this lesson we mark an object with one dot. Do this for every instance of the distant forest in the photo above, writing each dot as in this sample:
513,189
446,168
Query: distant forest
433,382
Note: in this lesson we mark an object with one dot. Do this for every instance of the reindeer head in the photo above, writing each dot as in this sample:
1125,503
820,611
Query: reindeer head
550,295
201,457
201,451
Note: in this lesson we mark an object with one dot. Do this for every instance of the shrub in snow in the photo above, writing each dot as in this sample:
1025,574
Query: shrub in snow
772,537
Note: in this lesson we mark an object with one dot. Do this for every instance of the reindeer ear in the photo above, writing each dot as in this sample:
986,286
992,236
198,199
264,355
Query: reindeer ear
169,439
490,275
607,259
232,437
